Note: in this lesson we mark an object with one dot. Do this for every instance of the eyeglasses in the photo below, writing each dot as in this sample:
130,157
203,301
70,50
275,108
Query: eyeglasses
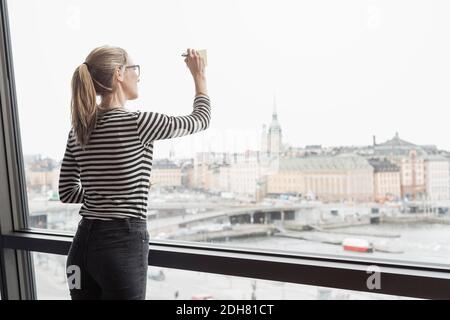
136,68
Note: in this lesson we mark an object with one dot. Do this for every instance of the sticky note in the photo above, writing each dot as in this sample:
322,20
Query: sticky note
202,53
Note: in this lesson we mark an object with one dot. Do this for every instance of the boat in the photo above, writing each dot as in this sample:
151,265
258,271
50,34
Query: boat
357,245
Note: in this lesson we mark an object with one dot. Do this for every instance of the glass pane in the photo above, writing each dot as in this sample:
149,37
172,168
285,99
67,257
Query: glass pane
170,284
50,276
330,141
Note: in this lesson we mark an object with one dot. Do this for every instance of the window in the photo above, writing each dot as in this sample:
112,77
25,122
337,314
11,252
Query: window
51,281
180,284
172,284
351,35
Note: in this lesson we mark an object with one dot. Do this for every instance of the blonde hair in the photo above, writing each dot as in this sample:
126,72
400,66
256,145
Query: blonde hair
92,78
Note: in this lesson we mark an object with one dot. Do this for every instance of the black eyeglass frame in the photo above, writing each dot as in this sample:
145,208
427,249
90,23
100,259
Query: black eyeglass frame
135,66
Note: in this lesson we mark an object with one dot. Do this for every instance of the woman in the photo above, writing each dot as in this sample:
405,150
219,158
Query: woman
107,165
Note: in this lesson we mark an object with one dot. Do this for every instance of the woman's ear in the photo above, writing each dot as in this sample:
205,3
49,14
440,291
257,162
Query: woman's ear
119,74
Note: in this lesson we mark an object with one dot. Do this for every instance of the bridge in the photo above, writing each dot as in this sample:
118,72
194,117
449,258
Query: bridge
255,214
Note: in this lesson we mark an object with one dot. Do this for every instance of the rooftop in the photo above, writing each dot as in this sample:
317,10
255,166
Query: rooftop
343,162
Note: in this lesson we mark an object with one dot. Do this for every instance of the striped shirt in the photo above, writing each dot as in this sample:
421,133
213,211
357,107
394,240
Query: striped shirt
111,177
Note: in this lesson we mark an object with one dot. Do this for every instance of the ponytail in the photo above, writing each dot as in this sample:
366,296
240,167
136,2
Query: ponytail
83,105
92,78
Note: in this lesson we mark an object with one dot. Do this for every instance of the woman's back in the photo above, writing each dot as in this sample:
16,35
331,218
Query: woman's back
111,175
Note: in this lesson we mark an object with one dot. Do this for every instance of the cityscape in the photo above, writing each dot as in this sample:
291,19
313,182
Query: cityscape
388,171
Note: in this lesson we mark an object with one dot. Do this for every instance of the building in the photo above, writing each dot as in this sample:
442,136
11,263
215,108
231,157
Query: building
411,160
212,182
42,180
41,174
346,177
294,152
386,179
165,173
437,171
246,171
205,175
187,175
224,178
264,139
271,141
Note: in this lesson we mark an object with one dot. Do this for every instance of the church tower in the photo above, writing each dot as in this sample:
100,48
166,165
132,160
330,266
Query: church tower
274,146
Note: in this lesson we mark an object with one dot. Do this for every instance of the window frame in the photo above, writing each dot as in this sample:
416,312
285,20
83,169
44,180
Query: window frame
17,265
17,241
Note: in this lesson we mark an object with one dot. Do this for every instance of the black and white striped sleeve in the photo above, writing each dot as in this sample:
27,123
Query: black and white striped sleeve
153,126
69,187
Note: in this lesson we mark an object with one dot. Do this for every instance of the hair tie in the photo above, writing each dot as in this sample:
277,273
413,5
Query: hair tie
86,64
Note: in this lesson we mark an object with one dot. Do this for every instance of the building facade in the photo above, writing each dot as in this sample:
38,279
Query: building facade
437,171
165,173
386,179
345,177
410,158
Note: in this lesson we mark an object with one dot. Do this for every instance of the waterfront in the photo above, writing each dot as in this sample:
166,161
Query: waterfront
419,242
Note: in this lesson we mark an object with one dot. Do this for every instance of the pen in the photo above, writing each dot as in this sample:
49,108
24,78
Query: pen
199,51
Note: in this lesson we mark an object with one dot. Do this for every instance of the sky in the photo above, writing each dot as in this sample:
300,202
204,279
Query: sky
341,71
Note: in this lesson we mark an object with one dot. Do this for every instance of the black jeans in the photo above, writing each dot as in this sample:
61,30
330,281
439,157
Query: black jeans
108,260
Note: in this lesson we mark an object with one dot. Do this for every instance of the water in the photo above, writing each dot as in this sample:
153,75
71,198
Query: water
420,242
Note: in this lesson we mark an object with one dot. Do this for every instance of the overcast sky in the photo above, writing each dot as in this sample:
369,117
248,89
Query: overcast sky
342,70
